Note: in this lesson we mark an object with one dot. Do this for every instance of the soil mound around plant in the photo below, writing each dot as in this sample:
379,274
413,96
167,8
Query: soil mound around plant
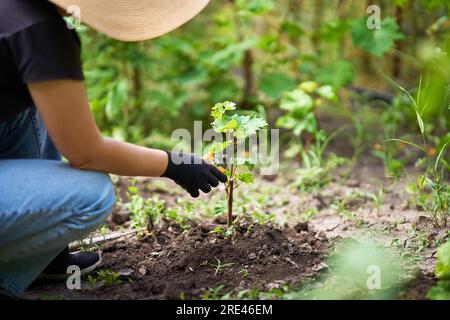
193,263
188,264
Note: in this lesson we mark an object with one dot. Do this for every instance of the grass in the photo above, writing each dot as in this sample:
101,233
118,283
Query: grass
104,277
219,266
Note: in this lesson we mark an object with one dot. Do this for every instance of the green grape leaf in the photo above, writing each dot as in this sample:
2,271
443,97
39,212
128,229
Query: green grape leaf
336,74
253,125
377,41
238,161
286,122
296,99
309,86
327,92
217,147
273,85
255,7
226,124
245,177
219,109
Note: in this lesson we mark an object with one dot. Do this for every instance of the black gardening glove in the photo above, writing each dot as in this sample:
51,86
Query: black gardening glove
193,173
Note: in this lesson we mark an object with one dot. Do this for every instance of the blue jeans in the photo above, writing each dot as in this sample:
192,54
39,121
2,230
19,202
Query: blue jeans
44,203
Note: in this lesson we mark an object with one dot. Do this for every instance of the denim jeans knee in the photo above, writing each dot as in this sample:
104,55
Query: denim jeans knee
96,203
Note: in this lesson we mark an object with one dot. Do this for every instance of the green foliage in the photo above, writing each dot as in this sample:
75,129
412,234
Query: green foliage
377,41
337,74
214,293
235,126
182,212
353,269
145,211
441,291
443,264
226,233
236,129
316,173
248,51
275,84
431,190
393,167
105,276
433,4
300,105
432,194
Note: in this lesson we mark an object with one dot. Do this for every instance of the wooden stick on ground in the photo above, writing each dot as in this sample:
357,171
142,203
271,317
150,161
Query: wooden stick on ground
99,240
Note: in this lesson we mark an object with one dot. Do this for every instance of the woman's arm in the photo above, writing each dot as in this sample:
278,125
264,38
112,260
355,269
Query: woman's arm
65,110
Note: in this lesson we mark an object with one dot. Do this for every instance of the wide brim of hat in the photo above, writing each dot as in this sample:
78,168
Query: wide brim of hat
134,20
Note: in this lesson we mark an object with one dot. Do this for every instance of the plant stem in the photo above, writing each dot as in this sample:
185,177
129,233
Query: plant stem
231,186
230,203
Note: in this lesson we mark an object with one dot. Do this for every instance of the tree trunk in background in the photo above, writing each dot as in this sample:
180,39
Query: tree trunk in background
246,67
366,58
295,9
249,81
411,15
341,11
137,87
317,21
397,63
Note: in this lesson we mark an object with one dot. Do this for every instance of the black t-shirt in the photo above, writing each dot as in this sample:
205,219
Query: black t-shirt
35,45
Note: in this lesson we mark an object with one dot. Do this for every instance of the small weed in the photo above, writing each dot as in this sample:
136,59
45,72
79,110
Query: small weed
219,266
260,217
145,212
378,198
418,241
316,172
431,190
341,208
250,294
105,276
256,294
224,232
213,293
308,214
244,273
181,213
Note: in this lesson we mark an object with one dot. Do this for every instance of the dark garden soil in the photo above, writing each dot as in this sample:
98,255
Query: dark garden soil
175,264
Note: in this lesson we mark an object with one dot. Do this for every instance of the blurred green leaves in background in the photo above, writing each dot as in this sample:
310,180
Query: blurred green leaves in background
356,270
257,53
442,289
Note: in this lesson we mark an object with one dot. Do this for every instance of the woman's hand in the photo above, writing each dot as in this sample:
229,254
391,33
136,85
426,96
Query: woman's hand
193,173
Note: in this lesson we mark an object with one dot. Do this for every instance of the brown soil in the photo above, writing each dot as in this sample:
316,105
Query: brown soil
177,264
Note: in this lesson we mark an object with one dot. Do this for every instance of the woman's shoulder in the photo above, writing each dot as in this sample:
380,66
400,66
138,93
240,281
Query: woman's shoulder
16,15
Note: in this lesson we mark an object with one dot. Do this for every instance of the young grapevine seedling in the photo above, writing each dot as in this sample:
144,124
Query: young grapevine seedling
236,129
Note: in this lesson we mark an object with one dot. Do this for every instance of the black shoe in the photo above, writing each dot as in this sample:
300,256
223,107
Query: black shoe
57,269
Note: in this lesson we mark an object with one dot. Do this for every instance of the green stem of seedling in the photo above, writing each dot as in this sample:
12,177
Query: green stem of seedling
231,187
230,203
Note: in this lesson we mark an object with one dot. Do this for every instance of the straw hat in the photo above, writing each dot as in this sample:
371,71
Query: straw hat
134,20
